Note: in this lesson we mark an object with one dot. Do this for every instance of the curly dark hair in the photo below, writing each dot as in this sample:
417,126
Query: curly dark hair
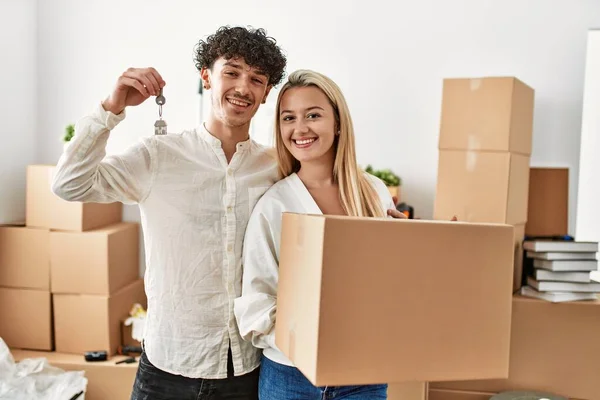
253,45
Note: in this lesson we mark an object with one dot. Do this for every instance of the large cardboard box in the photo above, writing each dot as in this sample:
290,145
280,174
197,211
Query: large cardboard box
26,318
482,187
487,114
555,348
548,209
101,261
107,380
93,322
24,258
46,210
366,300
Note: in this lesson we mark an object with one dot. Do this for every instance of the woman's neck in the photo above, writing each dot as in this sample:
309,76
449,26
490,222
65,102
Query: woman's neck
317,174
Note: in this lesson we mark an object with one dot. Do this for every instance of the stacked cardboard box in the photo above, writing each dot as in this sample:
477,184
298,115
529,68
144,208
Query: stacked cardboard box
69,276
25,302
484,152
548,206
94,285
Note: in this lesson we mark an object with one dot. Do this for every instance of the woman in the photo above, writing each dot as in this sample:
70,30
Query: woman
315,150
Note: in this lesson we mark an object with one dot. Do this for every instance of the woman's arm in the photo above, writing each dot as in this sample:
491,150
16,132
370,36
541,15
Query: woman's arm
256,309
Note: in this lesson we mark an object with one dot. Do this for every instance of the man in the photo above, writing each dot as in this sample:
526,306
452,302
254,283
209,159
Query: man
195,191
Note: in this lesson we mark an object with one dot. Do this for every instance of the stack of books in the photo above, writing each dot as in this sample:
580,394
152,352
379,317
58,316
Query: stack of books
560,271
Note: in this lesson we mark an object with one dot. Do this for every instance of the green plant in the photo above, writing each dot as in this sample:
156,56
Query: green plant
386,175
69,133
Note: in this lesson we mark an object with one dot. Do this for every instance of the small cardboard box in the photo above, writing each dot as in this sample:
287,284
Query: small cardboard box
26,318
100,261
487,114
105,379
368,300
482,187
555,348
93,322
548,209
46,210
24,258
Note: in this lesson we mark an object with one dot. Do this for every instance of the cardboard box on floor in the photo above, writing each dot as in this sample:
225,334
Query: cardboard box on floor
487,114
93,322
446,394
555,348
407,391
26,318
365,300
482,187
548,209
106,380
24,258
99,261
46,210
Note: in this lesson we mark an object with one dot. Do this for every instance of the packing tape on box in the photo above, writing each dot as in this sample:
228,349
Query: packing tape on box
470,161
475,83
474,142
292,343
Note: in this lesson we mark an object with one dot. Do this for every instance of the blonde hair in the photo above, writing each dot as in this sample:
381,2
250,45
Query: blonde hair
357,195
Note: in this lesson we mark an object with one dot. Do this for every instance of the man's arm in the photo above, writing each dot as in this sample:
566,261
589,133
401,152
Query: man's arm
84,173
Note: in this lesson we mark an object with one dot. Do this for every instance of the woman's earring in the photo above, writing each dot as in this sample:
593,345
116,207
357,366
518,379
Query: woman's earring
338,133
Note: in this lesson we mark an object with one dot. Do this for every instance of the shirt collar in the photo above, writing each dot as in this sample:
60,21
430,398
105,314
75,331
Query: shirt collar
215,142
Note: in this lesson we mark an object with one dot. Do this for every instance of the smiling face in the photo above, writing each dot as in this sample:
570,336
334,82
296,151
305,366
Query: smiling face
237,90
307,124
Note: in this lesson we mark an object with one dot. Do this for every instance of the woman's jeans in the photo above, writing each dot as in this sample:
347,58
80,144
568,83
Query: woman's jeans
282,382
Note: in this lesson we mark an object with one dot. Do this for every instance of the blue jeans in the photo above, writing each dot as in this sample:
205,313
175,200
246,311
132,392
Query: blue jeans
282,382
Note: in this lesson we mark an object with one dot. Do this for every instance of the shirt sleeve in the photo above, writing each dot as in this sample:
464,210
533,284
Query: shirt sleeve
256,308
387,202
84,172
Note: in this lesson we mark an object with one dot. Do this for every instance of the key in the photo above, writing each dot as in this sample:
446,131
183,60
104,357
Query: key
160,99
160,126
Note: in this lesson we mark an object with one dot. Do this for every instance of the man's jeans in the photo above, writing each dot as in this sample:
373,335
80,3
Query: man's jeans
281,382
153,384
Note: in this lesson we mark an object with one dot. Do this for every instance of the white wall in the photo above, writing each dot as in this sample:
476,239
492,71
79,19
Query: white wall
588,217
18,85
388,57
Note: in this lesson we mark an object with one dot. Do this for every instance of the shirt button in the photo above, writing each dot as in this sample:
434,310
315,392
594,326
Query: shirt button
230,248
229,172
229,209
